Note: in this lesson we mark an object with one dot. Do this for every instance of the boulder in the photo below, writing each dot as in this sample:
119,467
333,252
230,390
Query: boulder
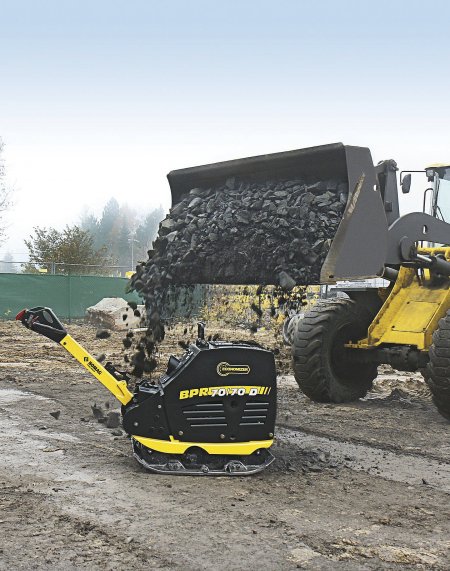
114,313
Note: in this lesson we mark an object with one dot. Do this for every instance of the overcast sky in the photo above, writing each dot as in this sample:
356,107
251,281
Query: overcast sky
102,98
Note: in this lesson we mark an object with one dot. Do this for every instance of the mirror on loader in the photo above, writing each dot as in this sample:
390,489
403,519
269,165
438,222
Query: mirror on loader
441,194
406,183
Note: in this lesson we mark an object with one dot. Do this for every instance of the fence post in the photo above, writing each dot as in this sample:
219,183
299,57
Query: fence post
69,284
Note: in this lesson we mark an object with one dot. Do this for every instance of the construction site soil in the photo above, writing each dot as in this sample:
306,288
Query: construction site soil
356,486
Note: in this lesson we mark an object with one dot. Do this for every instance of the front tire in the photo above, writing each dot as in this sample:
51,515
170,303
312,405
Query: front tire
437,374
320,367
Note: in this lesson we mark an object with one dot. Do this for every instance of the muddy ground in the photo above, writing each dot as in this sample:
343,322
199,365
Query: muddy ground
357,486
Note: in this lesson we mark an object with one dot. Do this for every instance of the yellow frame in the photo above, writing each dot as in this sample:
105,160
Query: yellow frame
411,312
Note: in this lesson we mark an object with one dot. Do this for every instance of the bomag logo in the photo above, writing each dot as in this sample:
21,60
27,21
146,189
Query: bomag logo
224,369
92,365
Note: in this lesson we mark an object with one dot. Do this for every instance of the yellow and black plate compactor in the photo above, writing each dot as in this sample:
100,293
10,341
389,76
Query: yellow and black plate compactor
211,413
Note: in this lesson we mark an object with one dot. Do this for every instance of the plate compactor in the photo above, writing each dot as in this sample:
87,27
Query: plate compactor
211,413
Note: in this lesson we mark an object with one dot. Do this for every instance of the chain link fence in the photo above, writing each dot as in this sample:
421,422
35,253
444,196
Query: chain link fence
69,289
54,268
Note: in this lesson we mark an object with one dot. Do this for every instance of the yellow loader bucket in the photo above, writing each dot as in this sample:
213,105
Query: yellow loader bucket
354,242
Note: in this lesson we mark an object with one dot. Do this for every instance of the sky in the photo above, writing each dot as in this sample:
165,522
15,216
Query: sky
103,98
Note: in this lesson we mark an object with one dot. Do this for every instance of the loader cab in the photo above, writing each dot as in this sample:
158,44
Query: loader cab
439,176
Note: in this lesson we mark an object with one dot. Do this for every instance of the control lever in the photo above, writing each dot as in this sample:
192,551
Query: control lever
201,334
201,330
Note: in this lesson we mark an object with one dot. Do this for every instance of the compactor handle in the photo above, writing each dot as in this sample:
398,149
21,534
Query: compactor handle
43,321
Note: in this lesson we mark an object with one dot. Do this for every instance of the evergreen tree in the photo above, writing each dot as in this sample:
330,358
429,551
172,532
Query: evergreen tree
109,227
124,234
146,232
90,224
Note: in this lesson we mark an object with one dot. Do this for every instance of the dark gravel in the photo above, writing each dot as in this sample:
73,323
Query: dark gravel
246,233
276,232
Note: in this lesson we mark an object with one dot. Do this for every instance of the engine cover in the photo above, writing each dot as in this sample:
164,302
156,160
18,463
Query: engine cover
217,392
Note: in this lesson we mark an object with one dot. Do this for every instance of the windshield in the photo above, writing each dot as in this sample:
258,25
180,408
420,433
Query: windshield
443,197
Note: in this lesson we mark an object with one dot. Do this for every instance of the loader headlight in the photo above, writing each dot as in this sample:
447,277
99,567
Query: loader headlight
430,174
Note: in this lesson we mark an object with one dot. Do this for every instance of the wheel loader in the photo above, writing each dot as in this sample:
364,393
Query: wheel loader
213,411
338,345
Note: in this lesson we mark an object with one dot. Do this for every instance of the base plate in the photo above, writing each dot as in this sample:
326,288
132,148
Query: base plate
197,462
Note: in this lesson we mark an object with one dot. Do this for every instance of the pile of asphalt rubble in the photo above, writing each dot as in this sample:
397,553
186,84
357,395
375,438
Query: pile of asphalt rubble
242,232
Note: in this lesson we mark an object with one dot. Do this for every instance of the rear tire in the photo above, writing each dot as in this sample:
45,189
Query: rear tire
437,374
318,351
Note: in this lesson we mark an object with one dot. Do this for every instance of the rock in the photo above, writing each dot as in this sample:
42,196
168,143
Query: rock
286,281
195,202
166,226
97,411
240,231
102,334
56,414
171,237
315,468
113,419
110,312
116,432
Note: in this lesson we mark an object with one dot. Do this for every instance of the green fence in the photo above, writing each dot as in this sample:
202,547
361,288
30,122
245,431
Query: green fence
68,296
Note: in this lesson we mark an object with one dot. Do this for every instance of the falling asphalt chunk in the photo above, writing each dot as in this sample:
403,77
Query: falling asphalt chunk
98,412
102,334
113,419
286,282
241,231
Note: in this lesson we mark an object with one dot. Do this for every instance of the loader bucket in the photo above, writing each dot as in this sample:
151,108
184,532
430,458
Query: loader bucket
359,246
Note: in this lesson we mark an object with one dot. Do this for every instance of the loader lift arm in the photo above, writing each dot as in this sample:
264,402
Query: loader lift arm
42,320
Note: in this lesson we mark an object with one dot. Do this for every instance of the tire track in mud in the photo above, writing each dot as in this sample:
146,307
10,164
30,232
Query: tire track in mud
411,469
395,449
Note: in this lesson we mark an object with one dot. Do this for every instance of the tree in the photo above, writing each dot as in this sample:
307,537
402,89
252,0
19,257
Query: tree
5,194
68,251
146,232
126,235
109,226
89,223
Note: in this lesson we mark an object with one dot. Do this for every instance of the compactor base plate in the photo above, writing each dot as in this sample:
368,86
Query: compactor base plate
196,462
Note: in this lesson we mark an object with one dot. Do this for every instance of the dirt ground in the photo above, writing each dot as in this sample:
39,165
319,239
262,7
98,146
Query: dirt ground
357,486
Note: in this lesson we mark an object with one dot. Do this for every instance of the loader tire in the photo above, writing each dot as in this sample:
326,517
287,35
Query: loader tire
320,367
437,375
